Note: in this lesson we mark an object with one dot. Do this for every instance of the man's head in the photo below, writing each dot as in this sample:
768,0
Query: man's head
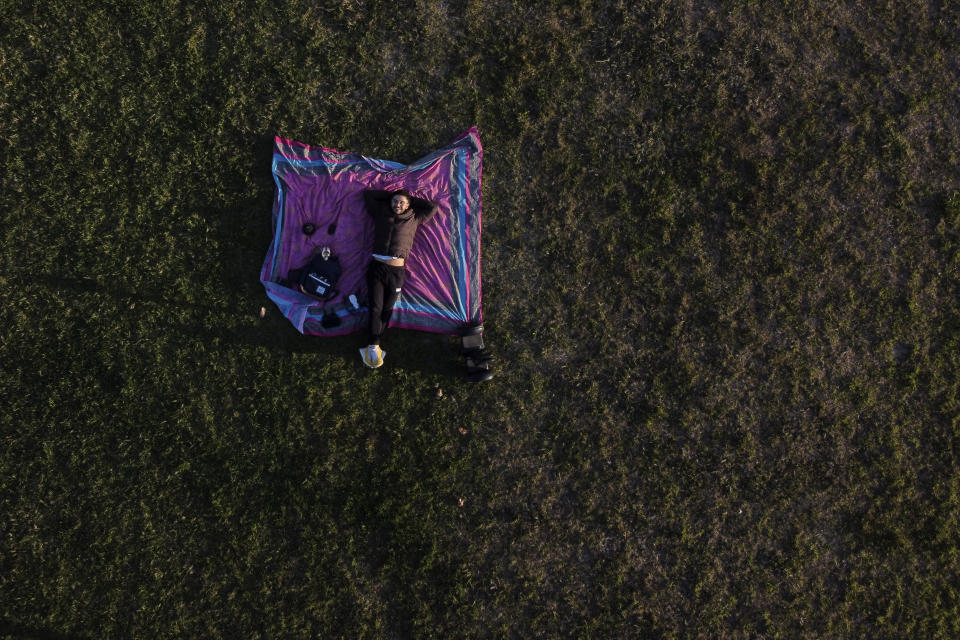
400,201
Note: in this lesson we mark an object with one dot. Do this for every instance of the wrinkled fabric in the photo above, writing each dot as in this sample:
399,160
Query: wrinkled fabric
324,187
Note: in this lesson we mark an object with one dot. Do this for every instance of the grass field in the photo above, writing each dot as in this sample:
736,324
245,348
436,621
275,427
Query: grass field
720,268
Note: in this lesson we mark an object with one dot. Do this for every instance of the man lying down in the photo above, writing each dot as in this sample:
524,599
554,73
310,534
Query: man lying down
396,217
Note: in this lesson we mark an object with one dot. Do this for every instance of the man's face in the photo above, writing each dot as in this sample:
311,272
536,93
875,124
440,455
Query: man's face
399,204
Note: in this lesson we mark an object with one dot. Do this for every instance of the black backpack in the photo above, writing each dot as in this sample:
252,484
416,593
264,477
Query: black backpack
319,278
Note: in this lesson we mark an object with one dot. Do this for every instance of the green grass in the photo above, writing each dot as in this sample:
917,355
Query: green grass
720,268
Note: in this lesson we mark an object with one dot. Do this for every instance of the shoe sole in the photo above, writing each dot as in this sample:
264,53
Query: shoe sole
374,365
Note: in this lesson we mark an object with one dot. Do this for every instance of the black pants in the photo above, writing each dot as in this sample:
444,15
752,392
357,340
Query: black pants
383,287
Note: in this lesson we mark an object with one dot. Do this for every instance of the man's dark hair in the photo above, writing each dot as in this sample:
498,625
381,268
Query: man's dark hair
402,192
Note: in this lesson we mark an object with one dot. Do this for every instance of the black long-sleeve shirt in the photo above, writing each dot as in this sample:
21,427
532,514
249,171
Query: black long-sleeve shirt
393,234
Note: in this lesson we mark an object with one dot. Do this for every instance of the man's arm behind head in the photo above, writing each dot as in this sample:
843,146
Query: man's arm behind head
423,209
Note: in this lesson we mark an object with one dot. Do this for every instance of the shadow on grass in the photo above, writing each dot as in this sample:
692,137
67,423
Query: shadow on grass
242,228
27,632
427,353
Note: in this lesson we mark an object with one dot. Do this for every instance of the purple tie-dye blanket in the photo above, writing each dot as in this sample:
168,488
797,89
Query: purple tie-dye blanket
324,188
